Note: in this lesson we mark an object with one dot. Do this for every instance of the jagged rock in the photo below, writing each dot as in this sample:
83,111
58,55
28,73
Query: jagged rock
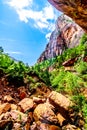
70,127
67,34
6,125
15,115
33,126
27,126
38,100
4,107
9,99
26,104
69,62
61,119
13,107
22,92
16,126
60,103
45,114
76,9
43,126
30,117
57,99
18,116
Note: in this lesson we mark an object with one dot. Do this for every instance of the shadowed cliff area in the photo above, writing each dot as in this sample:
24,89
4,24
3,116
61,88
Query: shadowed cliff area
76,9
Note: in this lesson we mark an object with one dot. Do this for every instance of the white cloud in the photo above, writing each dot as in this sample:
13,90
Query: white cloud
19,4
14,52
42,19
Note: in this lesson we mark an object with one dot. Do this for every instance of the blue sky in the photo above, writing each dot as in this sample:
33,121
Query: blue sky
25,26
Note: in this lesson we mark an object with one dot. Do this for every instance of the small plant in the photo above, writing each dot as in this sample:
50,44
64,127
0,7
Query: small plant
81,67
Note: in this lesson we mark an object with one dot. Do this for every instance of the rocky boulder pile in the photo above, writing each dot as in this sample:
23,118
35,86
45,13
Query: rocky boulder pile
47,112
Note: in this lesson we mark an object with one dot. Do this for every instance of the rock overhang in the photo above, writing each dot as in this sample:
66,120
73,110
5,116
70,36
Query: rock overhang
76,9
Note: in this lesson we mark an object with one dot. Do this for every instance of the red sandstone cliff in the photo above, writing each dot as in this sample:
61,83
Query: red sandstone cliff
76,9
66,35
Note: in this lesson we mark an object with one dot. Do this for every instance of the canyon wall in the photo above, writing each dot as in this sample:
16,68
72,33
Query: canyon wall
67,34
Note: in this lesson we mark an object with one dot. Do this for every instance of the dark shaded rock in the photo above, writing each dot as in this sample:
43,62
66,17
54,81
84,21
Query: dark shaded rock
76,9
69,62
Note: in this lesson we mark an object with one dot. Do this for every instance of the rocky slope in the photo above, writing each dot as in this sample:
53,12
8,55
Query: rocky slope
43,109
67,34
76,9
27,103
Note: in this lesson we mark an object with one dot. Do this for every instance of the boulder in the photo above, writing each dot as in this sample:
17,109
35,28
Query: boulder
60,103
57,99
4,107
8,98
18,116
38,100
45,114
44,126
26,104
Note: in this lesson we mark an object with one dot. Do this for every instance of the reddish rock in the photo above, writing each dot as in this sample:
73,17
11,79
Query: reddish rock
43,126
18,116
13,107
16,126
74,9
30,117
61,104
33,126
38,100
57,99
9,99
45,114
26,104
4,107
22,92
61,119
69,62
67,34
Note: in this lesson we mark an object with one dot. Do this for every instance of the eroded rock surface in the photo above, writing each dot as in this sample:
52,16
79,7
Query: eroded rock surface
76,9
67,34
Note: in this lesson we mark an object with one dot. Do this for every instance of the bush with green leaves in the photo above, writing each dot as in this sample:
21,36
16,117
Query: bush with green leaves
83,39
81,67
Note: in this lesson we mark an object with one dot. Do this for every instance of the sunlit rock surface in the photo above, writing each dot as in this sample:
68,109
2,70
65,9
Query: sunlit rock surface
67,34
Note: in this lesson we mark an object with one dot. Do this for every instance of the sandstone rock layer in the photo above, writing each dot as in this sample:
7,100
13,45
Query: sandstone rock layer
67,34
76,9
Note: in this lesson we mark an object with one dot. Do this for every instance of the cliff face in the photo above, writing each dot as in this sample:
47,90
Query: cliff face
76,9
66,35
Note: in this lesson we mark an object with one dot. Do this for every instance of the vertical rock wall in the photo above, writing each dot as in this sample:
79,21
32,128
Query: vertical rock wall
67,34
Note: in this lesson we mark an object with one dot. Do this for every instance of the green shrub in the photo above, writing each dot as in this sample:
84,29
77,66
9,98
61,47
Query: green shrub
81,67
83,39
